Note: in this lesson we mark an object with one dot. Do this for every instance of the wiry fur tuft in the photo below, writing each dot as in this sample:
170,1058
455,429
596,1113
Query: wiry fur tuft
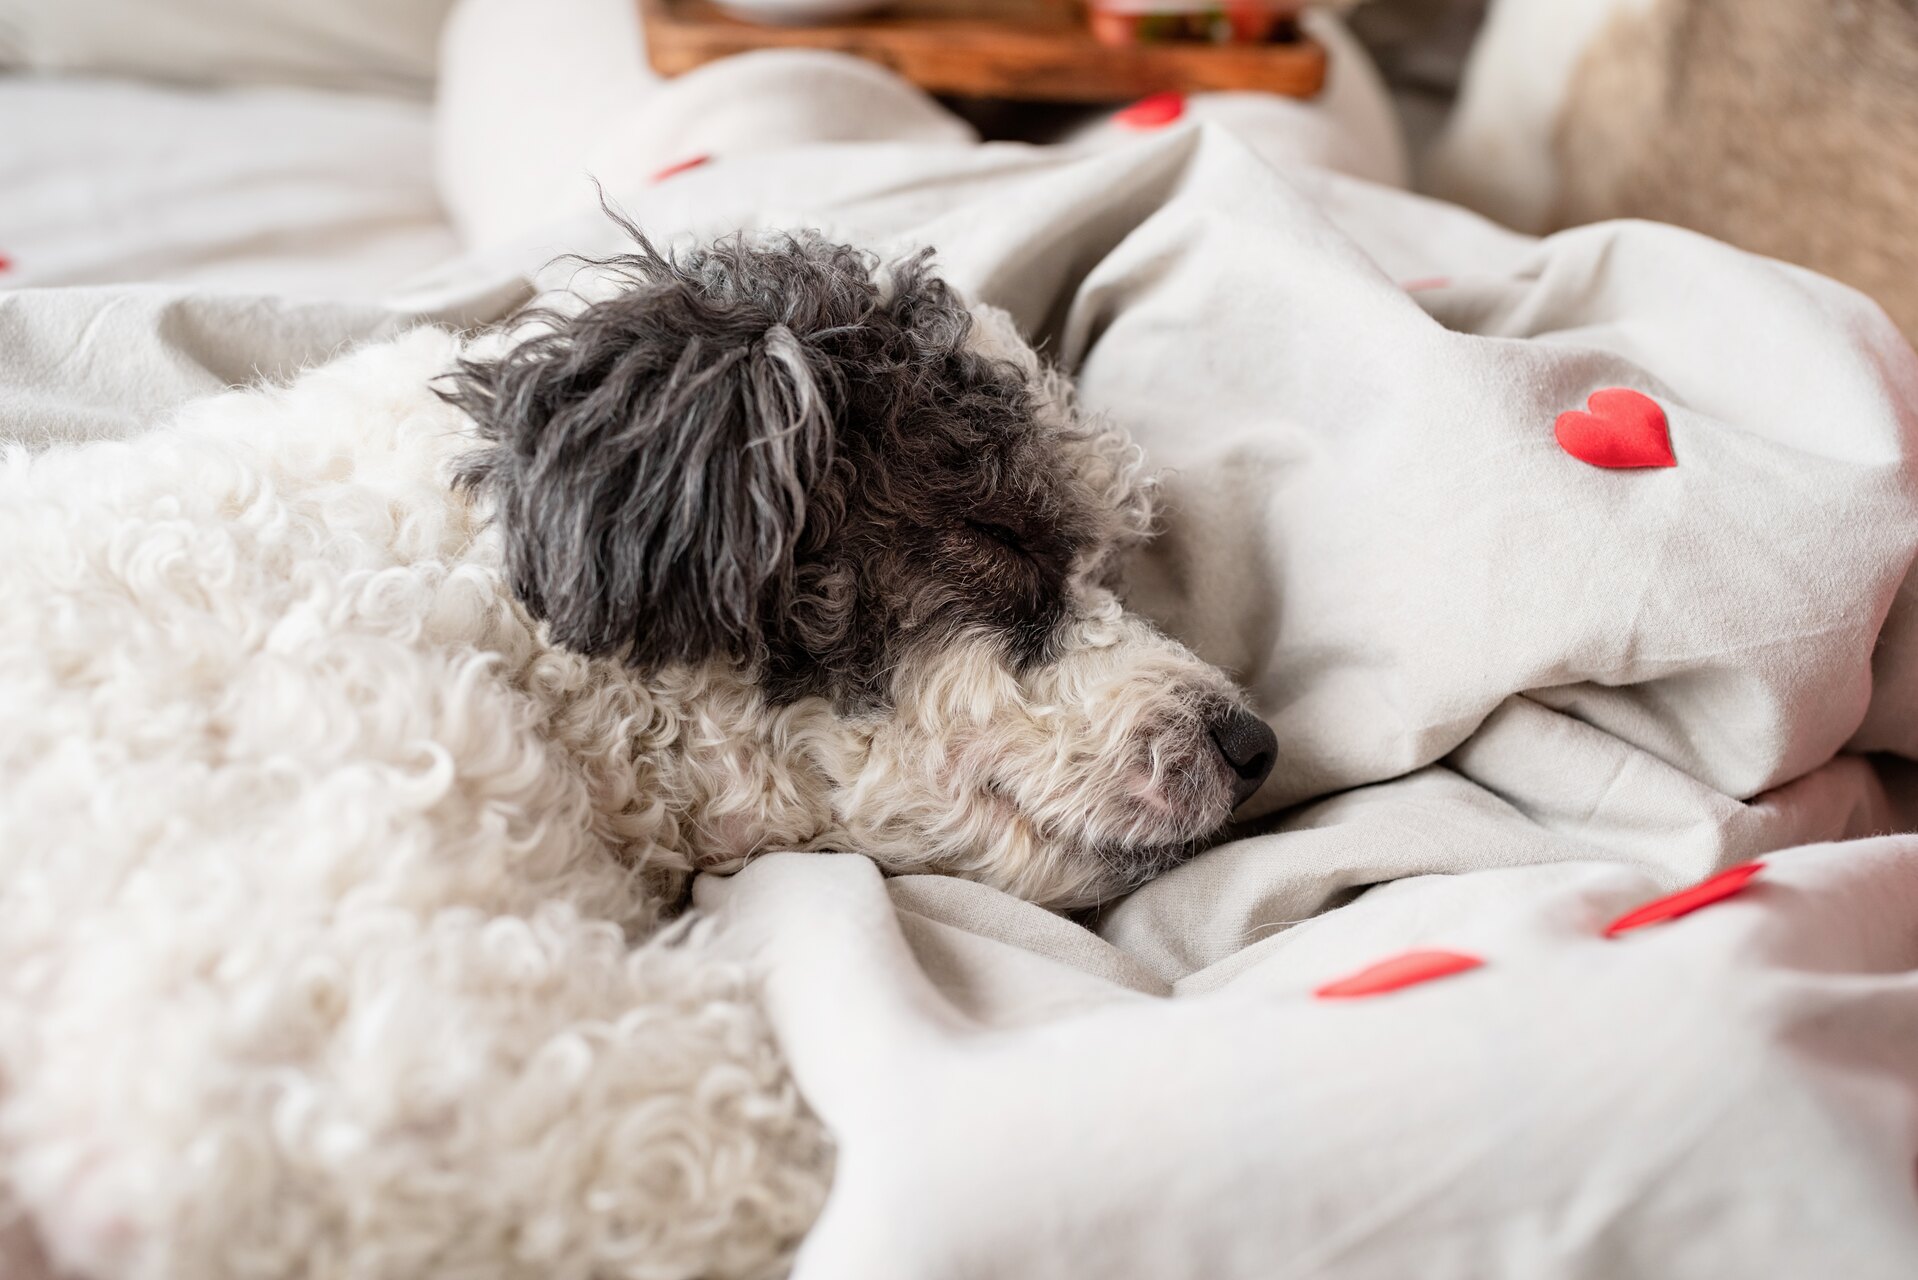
675,466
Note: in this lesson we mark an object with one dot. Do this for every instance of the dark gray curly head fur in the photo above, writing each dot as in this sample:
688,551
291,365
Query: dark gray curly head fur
776,453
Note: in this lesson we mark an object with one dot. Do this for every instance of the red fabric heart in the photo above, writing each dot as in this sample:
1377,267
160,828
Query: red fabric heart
1685,901
681,167
1154,112
1400,971
1624,429
6,263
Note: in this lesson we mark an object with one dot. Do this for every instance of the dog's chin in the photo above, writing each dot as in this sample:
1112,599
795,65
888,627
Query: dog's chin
1107,872
1138,841
1107,841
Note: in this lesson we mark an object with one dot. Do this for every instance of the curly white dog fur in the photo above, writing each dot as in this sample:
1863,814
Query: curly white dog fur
342,804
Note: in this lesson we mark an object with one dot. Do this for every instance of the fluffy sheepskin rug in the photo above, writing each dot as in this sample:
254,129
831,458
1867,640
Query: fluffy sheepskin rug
330,939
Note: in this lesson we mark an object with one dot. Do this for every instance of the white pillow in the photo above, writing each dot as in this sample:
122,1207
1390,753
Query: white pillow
387,45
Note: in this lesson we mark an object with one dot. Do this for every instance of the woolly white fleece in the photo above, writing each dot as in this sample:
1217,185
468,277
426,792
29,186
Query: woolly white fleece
322,848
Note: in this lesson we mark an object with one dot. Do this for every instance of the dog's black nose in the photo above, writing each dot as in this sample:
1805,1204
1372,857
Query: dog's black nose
1249,748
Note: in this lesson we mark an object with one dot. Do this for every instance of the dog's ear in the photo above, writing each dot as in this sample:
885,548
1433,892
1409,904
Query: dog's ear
655,458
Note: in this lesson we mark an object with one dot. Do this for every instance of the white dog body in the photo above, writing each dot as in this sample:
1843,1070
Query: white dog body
308,840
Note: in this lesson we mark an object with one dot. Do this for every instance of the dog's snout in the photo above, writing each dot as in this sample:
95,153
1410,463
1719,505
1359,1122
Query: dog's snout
1249,748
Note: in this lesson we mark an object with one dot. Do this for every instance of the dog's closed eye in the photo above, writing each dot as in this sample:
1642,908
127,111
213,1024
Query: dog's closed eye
1001,536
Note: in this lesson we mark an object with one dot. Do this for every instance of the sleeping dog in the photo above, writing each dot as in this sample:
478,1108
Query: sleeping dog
358,734
873,539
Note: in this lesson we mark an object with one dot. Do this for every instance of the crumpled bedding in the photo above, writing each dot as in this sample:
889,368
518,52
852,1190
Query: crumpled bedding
1515,695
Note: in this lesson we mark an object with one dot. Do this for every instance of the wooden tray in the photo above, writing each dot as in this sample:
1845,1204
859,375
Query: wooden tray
1036,50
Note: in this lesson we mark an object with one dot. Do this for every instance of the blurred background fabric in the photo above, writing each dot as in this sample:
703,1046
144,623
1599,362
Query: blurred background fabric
287,145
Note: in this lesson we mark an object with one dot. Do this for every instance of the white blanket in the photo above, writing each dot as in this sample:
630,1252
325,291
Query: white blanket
1526,692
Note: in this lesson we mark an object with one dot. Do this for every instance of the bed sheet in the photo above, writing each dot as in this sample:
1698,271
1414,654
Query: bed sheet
290,191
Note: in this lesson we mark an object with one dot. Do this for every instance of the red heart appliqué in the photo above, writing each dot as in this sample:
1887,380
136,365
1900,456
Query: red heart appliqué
692,162
1625,428
1400,971
1154,112
1685,901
